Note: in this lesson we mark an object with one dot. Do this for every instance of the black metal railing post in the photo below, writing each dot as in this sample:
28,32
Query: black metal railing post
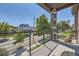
30,43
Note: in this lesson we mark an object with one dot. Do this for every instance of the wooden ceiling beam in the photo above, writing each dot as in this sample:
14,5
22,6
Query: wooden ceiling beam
65,6
48,8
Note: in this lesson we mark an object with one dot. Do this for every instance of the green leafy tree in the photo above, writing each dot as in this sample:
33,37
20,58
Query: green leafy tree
19,38
42,26
4,27
72,28
63,25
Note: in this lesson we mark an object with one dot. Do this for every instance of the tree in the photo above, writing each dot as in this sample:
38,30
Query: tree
42,26
58,27
72,28
63,25
20,38
4,27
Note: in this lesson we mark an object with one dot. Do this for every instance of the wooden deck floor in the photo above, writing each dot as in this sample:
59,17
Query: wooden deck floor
62,50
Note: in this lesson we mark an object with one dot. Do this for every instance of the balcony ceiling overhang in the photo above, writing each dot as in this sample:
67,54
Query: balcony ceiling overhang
58,6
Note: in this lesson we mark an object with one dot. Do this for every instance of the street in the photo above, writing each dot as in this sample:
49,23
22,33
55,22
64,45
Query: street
11,47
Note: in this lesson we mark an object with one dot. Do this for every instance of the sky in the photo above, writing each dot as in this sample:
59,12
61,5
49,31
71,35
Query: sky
65,14
24,13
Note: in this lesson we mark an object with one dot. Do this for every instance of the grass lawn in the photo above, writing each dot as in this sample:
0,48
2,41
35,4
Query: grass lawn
66,34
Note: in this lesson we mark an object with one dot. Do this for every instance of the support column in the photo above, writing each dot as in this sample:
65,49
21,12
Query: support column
76,26
54,24
75,12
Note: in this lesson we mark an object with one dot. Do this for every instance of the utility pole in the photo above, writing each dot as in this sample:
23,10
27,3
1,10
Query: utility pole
33,26
34,22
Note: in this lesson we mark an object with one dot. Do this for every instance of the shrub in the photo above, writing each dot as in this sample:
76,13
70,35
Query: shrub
19,38
4,52
68,39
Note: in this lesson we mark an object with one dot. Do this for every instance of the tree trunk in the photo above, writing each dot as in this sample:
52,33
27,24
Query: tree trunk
51,35
44,37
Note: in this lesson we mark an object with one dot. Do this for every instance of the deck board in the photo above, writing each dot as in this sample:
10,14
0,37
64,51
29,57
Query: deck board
60,49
